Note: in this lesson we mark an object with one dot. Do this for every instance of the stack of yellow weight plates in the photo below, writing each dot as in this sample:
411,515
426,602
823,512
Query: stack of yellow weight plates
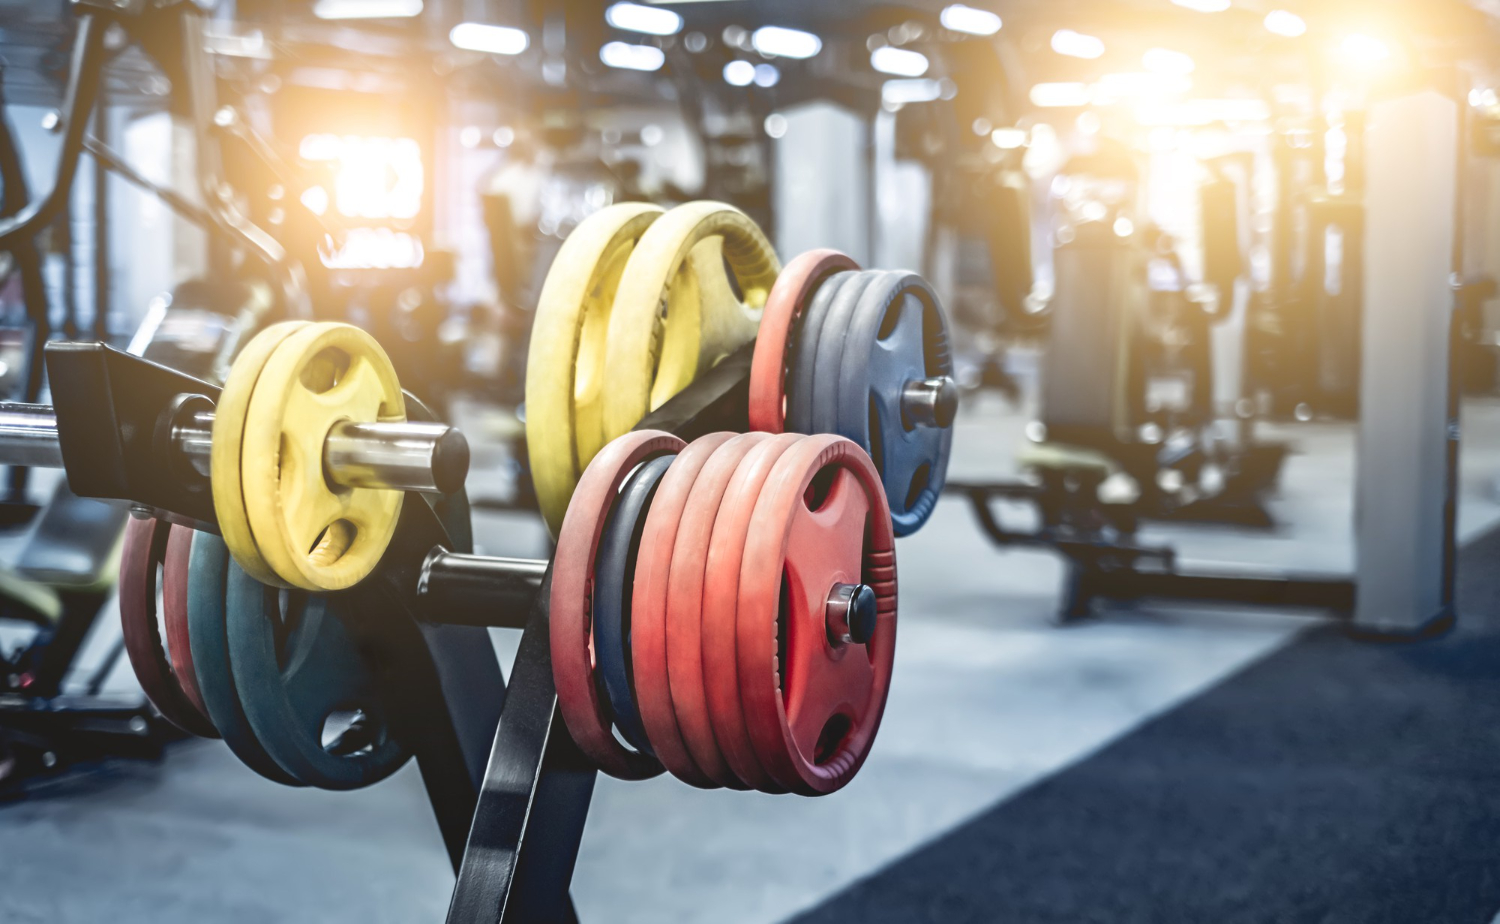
637,303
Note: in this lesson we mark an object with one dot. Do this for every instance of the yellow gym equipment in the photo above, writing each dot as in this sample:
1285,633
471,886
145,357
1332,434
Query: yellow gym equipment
565,364
283,520
677,312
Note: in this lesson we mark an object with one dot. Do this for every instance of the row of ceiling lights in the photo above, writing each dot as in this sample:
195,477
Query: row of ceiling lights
771,41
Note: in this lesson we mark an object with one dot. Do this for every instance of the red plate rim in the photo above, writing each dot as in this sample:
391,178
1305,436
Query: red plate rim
793,290
571,621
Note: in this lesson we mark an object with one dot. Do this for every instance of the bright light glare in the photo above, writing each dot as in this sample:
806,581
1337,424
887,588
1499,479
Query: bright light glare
1114,87
632,57
652,20
1285,23
490,39
1202,112
374,178
962,18
739,73
898,61
1076,44
1364,49
1008,139
367,9
374,248
316,200
1205,6
766,75
921,90
788,43
1060,95
1167,62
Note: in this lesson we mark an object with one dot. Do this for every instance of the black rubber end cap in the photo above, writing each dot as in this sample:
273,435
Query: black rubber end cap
945,407
863,614
450,462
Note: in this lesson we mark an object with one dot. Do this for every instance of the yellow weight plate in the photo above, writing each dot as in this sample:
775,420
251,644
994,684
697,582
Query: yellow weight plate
565,364
228,436
679,265
317,535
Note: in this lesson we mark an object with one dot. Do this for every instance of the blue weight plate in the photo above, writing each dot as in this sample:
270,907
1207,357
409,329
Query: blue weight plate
208,638
896,334
835,334
799,381
614,570
310,694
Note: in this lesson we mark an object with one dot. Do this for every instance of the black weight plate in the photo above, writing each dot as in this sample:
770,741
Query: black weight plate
614,570
208,638
804,351
896,334
308,691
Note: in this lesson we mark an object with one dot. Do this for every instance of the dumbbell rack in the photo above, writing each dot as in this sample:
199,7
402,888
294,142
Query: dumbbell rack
511,816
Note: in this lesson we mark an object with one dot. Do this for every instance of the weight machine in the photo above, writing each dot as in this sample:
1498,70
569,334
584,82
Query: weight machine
1408,438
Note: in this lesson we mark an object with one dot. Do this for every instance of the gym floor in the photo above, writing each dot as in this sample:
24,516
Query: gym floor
1152,765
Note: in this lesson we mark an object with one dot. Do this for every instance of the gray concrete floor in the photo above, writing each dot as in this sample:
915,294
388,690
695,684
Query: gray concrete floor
988,697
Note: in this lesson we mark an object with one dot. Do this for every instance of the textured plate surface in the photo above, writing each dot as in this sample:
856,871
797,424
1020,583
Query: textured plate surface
813,705
648,618
686,591
726,549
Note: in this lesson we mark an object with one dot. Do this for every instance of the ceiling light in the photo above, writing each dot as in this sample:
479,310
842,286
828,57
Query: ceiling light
367,9
739,73
962,18
1008,139
787,43
1167,63
494,40
898,61
652,20
1364,49
1076,44
1060,95
896,92
766,75
632,57
1285,23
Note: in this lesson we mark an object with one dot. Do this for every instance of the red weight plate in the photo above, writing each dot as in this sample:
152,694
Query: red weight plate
685,599
813,718
648,610
792,292
721,592
175,576
145,546
572,593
